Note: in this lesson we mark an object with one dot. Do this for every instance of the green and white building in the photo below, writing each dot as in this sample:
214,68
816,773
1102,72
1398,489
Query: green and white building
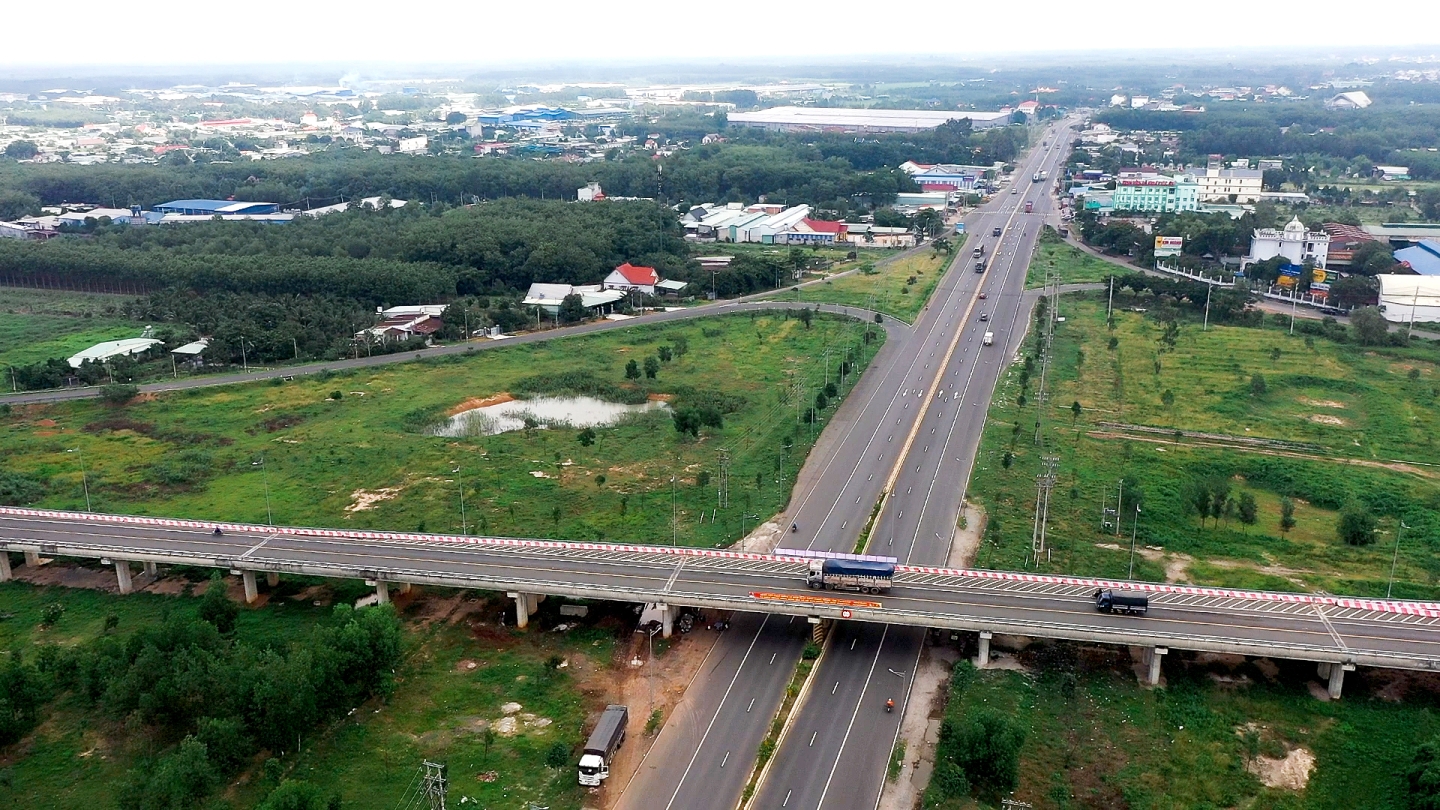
1155,193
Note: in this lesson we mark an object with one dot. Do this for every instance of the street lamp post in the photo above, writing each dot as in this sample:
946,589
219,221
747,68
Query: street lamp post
84,475
244,359
265,477
1395,558
464,524
1134,525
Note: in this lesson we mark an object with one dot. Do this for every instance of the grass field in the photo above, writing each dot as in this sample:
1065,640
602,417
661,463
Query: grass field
75,759
353,450
39,324
1335,422
1095,739
1057,256
898,287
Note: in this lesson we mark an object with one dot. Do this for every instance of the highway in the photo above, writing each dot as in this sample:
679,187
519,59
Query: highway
945,394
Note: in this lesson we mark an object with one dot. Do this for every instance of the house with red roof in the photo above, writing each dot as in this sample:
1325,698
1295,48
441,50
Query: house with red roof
632,278
813,232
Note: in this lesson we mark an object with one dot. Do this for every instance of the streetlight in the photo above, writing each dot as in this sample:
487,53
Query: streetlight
265,476
1133,526
1395,558
244,361
464,525
84,476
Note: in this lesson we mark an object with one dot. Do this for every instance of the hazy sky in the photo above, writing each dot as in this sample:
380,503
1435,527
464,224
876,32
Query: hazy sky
499,32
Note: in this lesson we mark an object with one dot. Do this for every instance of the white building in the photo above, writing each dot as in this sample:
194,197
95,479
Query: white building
1294,243
589,193
1217,185
1410,299
1353,100
101,352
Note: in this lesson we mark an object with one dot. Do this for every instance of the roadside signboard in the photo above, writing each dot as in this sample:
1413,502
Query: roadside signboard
1168,246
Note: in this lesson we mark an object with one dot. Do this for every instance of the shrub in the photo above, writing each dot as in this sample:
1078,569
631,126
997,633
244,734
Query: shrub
51,613
1356,525
118,394
558,755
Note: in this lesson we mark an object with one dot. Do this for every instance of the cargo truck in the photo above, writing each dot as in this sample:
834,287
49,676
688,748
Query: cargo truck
865,576
988,340
995,232
1029,206
980,266
1036,178
605,740
1110,600
979,252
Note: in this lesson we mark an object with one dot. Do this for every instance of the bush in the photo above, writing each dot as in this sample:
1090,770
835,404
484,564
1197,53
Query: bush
1356,525
216,607
1423,778
118,394
51,613
558,755
987,749
22,694
19,489
297,795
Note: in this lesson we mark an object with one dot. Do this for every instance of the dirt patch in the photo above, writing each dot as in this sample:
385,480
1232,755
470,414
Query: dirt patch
967,539
1326,419
1290,773
282,421
480,402
116,424
1322,403
361,499
45,423
1177,566
660,397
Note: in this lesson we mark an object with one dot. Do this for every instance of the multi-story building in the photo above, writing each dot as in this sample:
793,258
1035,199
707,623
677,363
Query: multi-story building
1229,185
1294,243
1155,193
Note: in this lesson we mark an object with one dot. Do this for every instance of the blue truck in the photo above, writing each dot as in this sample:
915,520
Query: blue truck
865,576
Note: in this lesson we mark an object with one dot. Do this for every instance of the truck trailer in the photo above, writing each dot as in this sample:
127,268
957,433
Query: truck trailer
605,740
865,576
1110,600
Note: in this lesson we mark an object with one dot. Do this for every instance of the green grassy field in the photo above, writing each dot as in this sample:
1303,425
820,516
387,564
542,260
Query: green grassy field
1095,739
39,324
75,758
1335,422
364,459
1057,256
898,287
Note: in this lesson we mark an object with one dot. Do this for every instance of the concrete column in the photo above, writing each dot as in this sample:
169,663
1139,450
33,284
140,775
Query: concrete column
122,574
404,586
1322,670
667,620
983,659
1337,678
273,579
1156,653
819,628
32,559
5,572
251,592
152,570
382,591
524,605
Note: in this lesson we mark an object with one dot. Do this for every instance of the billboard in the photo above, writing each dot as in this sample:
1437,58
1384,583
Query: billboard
1168,246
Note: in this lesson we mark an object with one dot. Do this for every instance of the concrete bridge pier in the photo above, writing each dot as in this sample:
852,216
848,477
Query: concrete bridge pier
382,592
982,659
251,592
1156,654
152,570
122,575
819,629
32,559
404,586
272,579
525,604
5,572
667,620
1334,674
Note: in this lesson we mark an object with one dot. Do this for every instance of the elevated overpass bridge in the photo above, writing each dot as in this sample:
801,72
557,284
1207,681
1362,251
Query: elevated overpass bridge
1337,633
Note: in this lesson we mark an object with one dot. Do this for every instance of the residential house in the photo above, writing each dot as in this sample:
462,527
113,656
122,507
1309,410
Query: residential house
403,323
1353,100
632,278
549,297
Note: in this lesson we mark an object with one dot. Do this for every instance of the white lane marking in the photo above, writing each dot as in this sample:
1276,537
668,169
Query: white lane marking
856,713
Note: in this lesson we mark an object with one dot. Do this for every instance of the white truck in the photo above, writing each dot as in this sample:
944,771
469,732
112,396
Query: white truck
605,740
989,339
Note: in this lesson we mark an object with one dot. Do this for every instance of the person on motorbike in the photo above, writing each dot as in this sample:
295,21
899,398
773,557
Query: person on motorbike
890,704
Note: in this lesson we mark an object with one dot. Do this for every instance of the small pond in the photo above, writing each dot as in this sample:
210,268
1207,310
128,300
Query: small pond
574,412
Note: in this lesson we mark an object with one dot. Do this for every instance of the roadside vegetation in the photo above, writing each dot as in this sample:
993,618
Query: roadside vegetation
897,285
1059,257
360,449
1256,458
39,324
1075,730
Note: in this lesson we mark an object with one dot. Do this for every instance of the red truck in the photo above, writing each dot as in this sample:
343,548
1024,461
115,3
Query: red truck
1029,206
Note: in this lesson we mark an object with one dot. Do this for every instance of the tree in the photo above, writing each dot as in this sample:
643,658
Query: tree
686,420
1287,515
987,748
1247,508
1257,385
455,117
1422,778
1167,398
21,695
21,150
1429,201
118,394
1075,410
652,367
821,401
557,755
293,794
216,606
572,309
805,316
586,437
665,354
632,370
1354,291
175,782
1369,326
1356,525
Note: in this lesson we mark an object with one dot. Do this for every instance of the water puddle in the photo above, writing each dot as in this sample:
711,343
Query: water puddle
573,412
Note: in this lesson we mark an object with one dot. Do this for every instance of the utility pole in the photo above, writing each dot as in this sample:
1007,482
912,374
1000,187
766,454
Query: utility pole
1134,525
722,489
1395,558
244,360
84,475
674,523
1208,289
1119,502
464,525
434,784
265,476
1044,483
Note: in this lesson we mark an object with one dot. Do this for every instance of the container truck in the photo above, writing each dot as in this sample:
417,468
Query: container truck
865,576
1111,600
1036,178
1029,206
605,740
979,252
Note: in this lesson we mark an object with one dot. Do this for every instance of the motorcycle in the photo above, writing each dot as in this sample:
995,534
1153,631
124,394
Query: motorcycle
889,705
794,528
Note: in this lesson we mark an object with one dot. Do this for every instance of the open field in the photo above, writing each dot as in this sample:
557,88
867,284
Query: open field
1074,266
898,287
39,324
1334,423
355,450
1095,739
460,667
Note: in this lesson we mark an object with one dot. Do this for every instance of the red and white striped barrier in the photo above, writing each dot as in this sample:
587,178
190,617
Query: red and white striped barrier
1426,609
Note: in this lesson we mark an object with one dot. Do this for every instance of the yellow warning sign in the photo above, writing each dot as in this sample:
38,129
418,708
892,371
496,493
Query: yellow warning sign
806,599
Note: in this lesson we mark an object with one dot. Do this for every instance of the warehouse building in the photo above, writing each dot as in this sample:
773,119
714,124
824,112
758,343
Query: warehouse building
838,119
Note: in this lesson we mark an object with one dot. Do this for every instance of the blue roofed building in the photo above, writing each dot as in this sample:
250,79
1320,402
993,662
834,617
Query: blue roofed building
1423,257
212,207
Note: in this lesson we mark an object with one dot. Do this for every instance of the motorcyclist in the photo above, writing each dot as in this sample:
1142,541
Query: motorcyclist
218,532
794,528
890,704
